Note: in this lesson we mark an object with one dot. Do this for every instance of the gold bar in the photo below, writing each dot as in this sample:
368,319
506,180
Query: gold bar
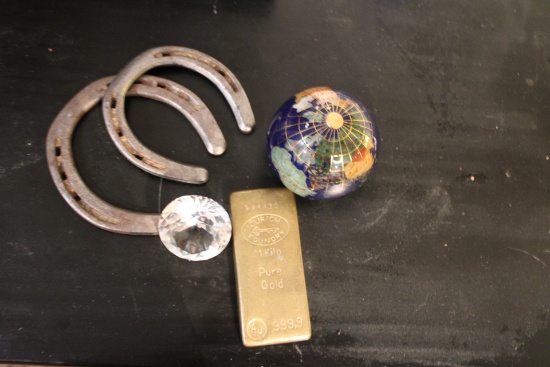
271,285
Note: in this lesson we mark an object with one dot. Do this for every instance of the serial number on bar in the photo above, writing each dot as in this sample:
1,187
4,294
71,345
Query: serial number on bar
261,206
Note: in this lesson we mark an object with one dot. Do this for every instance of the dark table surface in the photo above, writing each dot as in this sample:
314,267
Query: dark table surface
441,259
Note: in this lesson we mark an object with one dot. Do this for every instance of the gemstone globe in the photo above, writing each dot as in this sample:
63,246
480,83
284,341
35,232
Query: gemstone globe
322,143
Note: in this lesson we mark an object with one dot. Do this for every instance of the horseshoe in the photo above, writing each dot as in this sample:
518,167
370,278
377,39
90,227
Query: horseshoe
113,104
62,166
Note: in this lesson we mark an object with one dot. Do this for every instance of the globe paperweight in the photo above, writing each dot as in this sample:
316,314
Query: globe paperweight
322,143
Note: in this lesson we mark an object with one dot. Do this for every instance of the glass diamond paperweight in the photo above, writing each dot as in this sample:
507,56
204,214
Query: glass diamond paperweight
322,143
195,227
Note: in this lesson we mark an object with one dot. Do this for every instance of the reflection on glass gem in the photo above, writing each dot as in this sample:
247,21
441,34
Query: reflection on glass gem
195,227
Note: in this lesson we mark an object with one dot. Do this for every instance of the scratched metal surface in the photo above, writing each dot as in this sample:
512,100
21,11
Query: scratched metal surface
443,258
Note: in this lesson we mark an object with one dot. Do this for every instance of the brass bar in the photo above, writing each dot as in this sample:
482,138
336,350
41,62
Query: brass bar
270,276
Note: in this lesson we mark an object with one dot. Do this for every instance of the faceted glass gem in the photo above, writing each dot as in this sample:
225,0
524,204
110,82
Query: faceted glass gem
195,227
322,143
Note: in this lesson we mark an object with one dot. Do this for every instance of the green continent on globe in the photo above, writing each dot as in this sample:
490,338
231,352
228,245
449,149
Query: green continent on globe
294,179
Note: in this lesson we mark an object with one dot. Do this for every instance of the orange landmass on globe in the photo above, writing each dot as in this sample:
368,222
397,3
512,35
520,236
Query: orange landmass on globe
362,161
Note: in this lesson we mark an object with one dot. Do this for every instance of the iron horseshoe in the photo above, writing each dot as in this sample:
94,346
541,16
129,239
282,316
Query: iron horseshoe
62,166
113,104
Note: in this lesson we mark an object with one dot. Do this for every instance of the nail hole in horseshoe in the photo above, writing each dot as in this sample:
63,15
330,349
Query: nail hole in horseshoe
57,143
158,55
113,102
229,80
185,97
